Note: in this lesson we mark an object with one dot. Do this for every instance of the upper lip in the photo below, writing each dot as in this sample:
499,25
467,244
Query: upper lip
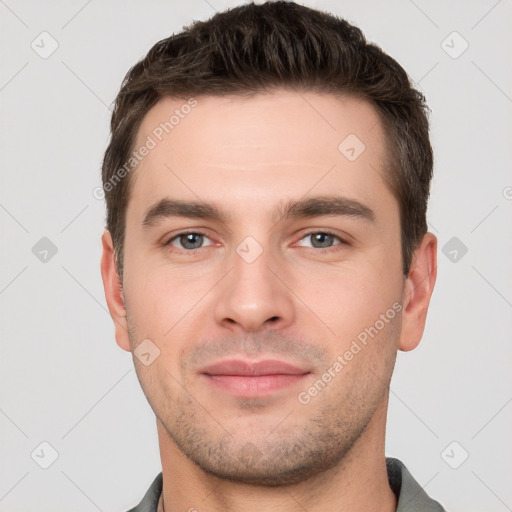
252,368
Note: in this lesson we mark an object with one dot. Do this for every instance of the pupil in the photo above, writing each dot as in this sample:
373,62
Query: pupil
192,240
323,239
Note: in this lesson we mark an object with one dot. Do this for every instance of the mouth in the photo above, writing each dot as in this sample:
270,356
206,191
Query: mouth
252,379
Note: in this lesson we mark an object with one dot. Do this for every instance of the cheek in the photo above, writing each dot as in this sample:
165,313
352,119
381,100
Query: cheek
362,309
348,300
164,306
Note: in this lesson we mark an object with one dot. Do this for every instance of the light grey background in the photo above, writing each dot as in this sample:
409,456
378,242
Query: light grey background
65,382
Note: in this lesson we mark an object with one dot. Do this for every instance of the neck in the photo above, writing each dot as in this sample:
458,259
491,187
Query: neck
358,482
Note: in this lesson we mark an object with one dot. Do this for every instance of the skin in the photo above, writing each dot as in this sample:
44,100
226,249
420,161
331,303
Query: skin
294,302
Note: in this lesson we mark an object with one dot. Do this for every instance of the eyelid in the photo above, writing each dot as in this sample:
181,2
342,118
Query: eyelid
188,232
343,239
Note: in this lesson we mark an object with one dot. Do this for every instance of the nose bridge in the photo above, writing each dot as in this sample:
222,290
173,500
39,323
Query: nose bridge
252,297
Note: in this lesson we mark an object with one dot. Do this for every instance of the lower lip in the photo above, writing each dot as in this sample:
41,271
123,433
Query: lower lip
253,386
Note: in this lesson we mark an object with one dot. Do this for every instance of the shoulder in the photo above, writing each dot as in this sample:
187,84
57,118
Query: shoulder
411,496
149,502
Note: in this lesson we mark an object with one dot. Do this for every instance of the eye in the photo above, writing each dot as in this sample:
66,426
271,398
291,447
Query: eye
189,241
322,240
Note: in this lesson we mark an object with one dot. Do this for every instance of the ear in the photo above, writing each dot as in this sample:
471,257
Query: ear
418,289
114,291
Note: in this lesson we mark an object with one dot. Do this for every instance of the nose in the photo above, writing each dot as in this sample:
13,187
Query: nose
254,296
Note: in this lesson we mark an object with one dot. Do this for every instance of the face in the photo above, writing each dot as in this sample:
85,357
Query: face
262,260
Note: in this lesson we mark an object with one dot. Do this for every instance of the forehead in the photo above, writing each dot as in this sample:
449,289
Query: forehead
221,121
281,142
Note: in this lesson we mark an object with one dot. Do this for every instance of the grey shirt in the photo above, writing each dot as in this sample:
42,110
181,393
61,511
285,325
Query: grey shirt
411,497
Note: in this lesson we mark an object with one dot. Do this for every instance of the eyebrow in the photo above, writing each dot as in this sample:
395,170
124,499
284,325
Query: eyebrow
304,208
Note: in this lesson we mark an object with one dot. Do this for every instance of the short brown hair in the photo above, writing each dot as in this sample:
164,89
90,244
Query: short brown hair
254,48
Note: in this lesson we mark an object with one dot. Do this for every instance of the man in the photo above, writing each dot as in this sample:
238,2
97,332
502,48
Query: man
266,255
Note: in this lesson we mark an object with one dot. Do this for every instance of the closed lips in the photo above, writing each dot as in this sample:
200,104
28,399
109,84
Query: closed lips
252,369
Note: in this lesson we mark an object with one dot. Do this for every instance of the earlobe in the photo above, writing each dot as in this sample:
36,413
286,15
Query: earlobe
418,289
114,292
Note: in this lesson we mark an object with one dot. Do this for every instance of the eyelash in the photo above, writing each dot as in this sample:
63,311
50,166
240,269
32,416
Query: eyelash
333,248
